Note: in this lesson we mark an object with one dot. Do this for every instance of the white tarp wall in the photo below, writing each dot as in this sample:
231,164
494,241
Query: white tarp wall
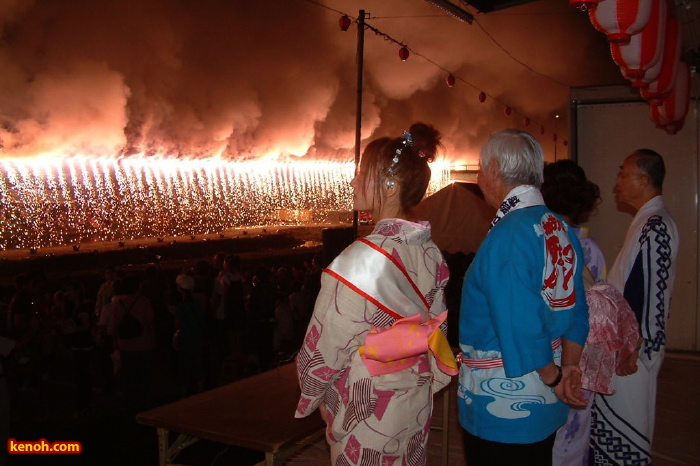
604,130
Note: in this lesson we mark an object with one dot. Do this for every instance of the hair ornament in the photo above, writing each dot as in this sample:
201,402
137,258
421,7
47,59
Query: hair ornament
407,142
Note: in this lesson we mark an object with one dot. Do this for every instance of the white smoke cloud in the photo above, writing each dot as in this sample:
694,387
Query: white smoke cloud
241,79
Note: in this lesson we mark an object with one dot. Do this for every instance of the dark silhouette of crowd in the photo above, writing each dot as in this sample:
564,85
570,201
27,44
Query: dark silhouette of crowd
197,327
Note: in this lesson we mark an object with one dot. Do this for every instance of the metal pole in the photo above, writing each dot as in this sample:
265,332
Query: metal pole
358,116
556,136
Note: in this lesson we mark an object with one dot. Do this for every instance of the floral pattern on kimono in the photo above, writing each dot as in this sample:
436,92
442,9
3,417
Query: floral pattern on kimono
381,419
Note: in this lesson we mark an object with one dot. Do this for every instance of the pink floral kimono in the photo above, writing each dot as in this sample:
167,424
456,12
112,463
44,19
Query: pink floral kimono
375,350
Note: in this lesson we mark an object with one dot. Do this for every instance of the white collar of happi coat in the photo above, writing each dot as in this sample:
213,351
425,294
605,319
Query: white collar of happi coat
619,272
518,198
652,205
380,277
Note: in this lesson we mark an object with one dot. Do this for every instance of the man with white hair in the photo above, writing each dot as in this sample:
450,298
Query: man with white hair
523,318
644,272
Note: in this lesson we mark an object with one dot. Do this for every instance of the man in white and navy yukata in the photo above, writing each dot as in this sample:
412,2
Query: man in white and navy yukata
523,318
644,272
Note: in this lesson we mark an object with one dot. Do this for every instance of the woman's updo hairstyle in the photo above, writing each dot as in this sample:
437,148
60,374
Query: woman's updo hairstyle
411,171
567,191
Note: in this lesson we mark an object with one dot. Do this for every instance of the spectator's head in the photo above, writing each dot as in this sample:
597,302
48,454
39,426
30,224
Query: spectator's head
232,263
185,282
395,171
568,192
640,178
509,158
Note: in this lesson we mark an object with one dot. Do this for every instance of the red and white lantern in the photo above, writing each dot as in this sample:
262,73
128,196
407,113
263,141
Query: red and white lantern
659,89
643,51
675,108
656,116
620,19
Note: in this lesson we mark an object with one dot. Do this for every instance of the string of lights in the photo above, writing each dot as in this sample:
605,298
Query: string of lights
452,77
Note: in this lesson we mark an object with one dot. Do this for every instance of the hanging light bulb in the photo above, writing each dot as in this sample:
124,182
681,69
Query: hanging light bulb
403,53
344,22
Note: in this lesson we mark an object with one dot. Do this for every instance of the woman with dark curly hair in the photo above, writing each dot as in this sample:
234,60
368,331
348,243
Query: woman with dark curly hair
568,192
613,333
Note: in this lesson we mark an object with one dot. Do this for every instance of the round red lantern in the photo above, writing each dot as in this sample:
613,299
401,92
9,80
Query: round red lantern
450,80
620,19
482,96
507,111
403,53
643,51
565,142
344,22
526,121
655,115
541,129
659,89
675,108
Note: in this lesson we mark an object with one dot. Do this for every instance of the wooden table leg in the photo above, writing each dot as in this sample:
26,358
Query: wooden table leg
167,451
446,426
162,446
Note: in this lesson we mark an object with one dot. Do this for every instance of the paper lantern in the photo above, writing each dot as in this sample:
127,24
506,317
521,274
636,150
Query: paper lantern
482,96
644,48
526,121
620,19
675,108
541,129
450,80
403,53
656,116
659,89
344,22
507,111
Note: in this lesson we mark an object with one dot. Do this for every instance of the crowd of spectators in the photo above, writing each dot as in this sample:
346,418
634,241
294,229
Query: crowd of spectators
200,326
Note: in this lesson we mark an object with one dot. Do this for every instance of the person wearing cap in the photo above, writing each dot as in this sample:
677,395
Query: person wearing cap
188,339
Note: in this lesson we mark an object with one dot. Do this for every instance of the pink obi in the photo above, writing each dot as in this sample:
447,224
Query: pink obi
400,346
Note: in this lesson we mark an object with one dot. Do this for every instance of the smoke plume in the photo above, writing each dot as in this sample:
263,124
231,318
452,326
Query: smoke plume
246,79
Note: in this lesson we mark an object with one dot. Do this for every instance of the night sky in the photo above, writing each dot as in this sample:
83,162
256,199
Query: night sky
246,79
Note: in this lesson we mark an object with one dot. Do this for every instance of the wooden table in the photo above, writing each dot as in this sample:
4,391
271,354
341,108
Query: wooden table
256,413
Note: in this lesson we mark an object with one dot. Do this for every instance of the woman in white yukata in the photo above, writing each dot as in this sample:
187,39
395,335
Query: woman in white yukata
375,350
